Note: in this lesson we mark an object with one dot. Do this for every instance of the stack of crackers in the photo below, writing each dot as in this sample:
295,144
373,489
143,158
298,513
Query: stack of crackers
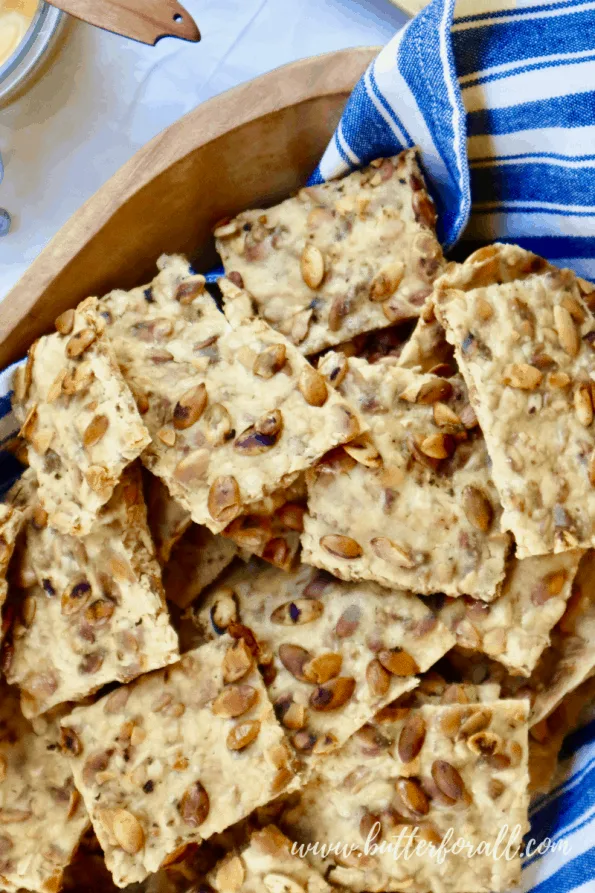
301,567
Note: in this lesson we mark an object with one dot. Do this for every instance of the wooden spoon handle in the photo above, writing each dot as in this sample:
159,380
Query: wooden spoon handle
144,20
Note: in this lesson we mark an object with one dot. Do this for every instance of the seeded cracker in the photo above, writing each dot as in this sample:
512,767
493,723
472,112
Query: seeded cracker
523,338
94,611
451,766
175,757
342,258
41,814
333,653
427,350
412,504
234,414
11,522
266,864
196,562
78,418
515,628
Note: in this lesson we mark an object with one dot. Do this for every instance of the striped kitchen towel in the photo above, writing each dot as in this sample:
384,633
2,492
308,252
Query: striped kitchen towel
500,97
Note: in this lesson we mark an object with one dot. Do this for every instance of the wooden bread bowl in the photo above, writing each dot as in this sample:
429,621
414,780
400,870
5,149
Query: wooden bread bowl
250,146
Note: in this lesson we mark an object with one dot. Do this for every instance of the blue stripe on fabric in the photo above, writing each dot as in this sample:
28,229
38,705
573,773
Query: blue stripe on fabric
376,139
509,42
548,183
551,247
6,405
390,112
578,739
573,874
577,110
518,11
215,274
557,815
521,69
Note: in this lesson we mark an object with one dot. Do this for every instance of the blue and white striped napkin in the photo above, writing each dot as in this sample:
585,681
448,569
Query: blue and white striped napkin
500,96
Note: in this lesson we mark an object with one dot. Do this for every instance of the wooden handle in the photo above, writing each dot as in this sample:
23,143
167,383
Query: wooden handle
144,20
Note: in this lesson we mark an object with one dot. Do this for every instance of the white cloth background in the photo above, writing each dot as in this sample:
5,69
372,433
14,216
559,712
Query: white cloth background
105,96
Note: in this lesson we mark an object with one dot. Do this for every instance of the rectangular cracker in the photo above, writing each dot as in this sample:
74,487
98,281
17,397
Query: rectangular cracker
272,527
234,413
515,628
12,520
327,647
196,562
523,338
155,765
94,611
168,520
455,766
385,510
266,864
342,258
42,817
78,418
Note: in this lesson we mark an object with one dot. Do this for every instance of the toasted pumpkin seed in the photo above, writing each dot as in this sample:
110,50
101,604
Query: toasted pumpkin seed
298,611
270,361
398,662
378,678
95,430
412,737
224,499
195,805
312,387
79,343
448,780
190,407
312,266
332,695
478,508
341,546
243,734
294,658
65,322
235,700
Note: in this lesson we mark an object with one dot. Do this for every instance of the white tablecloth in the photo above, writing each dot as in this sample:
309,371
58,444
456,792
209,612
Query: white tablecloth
105,96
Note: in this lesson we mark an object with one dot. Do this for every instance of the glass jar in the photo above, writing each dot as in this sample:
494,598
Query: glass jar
33,52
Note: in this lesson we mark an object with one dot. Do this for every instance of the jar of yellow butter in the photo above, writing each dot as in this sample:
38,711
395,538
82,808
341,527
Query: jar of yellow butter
29,31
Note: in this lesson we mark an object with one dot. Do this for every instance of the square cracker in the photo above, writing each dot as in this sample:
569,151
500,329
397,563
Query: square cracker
524,340
234,413
42,817
175,757
78,418
515,628
333,653
342,258
465,768
386,508
95,610
266,863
